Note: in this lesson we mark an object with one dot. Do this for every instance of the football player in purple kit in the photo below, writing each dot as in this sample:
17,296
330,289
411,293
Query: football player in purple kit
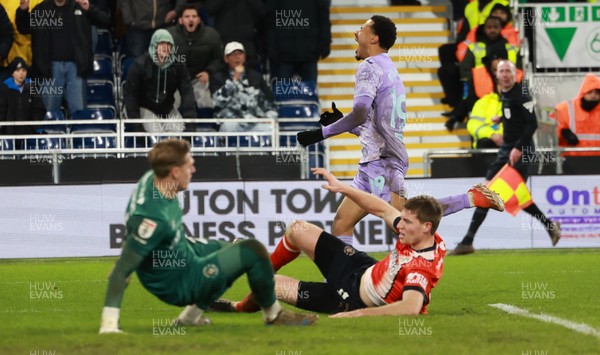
378,117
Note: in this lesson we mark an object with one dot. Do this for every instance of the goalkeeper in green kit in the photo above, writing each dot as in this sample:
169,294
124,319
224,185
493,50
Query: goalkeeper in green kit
181,271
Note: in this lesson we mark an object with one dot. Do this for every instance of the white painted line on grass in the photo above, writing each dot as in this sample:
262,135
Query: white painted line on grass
578,327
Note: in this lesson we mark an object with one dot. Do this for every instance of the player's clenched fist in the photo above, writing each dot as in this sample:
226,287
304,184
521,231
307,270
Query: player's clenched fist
306,138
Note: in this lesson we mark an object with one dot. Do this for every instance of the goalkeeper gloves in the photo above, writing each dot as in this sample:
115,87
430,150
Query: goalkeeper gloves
569,136
306,138
109,324
328,118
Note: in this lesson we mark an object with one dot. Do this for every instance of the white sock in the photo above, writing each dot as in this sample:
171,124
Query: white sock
190,314
346,239
271,312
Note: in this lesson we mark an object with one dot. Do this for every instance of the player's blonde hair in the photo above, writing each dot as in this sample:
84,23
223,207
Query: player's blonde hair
427,209
167,154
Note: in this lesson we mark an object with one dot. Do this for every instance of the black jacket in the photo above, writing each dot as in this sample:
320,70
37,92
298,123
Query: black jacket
154,89
202,49
18,105
299,31
41,37
518,117
239,20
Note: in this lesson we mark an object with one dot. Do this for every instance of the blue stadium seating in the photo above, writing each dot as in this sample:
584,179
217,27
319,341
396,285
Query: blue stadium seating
103,69
104,45
288,141
309,112
45,143
6,144
205,142
94,142
141,142
55,115
106,113
101,94
294,90
249,141
125,64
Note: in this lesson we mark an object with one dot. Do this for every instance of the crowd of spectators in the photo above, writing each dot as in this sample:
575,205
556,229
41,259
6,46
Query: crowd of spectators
179,65
214,54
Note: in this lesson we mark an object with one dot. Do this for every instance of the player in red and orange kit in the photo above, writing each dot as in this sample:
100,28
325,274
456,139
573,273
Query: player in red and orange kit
358,285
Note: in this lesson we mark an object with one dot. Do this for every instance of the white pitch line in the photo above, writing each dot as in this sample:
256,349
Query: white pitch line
578,327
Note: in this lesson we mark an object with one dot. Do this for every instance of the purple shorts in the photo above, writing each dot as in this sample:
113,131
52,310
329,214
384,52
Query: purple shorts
381,178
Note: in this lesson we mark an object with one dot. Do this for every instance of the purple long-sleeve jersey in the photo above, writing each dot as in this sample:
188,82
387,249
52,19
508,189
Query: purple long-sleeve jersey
379,108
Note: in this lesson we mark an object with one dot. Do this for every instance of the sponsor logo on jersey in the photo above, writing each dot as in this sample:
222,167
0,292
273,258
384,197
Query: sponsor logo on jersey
343,294
529,106
146,228
210,271
507,113
348,250
415,278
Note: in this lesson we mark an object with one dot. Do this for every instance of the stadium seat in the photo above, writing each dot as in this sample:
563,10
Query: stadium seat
101,94
94,142
55,115
104,45
106,113
45,143
124,65
205,142
103,69
306,113
294,90
6,144
249,141
203,126
288,140
140,142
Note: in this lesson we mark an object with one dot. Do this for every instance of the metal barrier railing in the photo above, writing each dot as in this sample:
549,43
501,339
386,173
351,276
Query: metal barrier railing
103,140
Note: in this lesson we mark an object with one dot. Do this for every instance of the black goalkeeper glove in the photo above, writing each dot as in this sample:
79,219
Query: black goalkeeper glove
306,138
569,136
328,118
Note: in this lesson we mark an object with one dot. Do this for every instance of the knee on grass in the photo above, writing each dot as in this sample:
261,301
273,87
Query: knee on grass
255,248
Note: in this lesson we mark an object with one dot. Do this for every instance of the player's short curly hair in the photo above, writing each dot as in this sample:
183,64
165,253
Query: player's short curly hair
385,29
427,209
167,154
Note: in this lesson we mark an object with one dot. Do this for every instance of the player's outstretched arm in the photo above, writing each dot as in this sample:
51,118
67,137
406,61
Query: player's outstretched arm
117,282
411,304
370,203
355,118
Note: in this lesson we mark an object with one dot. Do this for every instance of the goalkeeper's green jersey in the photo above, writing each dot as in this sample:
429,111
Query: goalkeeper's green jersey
172,264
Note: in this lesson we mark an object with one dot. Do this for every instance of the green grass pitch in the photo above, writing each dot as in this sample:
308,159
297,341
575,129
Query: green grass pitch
52,306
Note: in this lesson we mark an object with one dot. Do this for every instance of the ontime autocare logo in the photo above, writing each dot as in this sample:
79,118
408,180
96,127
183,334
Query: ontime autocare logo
576,208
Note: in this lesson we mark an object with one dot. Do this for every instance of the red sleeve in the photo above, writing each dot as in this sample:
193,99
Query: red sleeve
419,281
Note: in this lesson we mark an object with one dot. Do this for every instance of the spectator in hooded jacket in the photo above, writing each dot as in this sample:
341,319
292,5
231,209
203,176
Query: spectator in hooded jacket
152,81
17,103
579,118
61,40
